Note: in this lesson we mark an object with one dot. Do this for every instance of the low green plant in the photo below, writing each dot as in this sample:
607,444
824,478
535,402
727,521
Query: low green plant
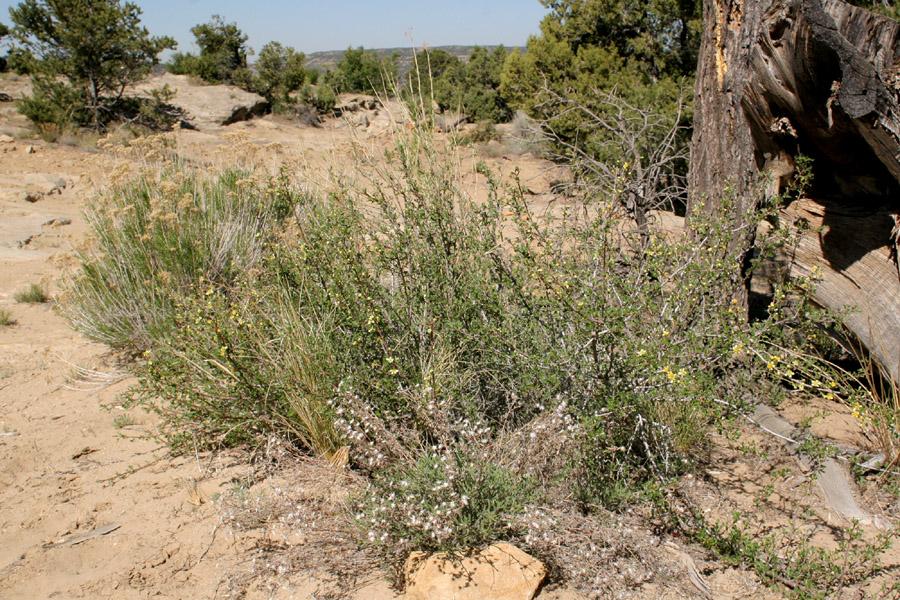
33,294
482,132
122,421
6,318
787,560
322,97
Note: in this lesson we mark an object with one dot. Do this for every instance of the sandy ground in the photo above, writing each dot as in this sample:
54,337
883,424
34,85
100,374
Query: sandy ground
92,507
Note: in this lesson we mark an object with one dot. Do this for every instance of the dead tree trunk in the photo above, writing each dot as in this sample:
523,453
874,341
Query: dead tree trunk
780,78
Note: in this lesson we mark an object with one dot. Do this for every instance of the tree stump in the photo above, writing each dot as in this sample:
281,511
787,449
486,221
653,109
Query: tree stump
821,78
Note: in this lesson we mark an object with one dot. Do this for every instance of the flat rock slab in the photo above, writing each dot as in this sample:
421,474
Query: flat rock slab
207,106
499,572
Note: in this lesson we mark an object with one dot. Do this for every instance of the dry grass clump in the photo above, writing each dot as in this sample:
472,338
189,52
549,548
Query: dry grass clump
33,294
6,318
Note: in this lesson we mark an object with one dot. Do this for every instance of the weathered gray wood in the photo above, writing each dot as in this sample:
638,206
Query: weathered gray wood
779,78
854,268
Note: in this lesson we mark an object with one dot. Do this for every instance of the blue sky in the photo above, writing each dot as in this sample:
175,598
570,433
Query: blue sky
312,26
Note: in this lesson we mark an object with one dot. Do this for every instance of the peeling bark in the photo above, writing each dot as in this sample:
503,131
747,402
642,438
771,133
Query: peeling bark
779,78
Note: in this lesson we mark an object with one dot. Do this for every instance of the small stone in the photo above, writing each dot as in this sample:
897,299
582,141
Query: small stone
499,572
30,150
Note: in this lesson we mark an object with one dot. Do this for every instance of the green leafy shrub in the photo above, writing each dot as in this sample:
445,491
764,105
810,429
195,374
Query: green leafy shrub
362,71
54,106
786,560
83,54
461,353
321,97
280,71
472,87
182,63
223,54
589,48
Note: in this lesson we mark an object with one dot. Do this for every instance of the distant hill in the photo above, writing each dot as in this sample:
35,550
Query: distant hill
325,60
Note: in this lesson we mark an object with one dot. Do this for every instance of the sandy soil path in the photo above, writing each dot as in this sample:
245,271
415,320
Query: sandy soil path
73,463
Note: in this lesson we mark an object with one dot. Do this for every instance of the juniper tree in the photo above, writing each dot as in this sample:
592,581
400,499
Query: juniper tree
83,54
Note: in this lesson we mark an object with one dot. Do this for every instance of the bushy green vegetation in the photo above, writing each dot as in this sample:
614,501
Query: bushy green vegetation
82,55
322,97
4,60
472,358
472,87
362,71
223,54
644,53
280,71
160,235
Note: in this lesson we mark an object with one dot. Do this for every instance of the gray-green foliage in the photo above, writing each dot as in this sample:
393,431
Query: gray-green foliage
82,54
156,237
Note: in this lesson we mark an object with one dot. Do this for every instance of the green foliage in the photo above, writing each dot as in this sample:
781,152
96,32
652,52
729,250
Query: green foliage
97,47
4,31
20,61
887,8
33,294
361,71
645,53
280,71
240,363
788,561
183,63
428,66
223,54
483,132
472,87
456,350
322,97
54,105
